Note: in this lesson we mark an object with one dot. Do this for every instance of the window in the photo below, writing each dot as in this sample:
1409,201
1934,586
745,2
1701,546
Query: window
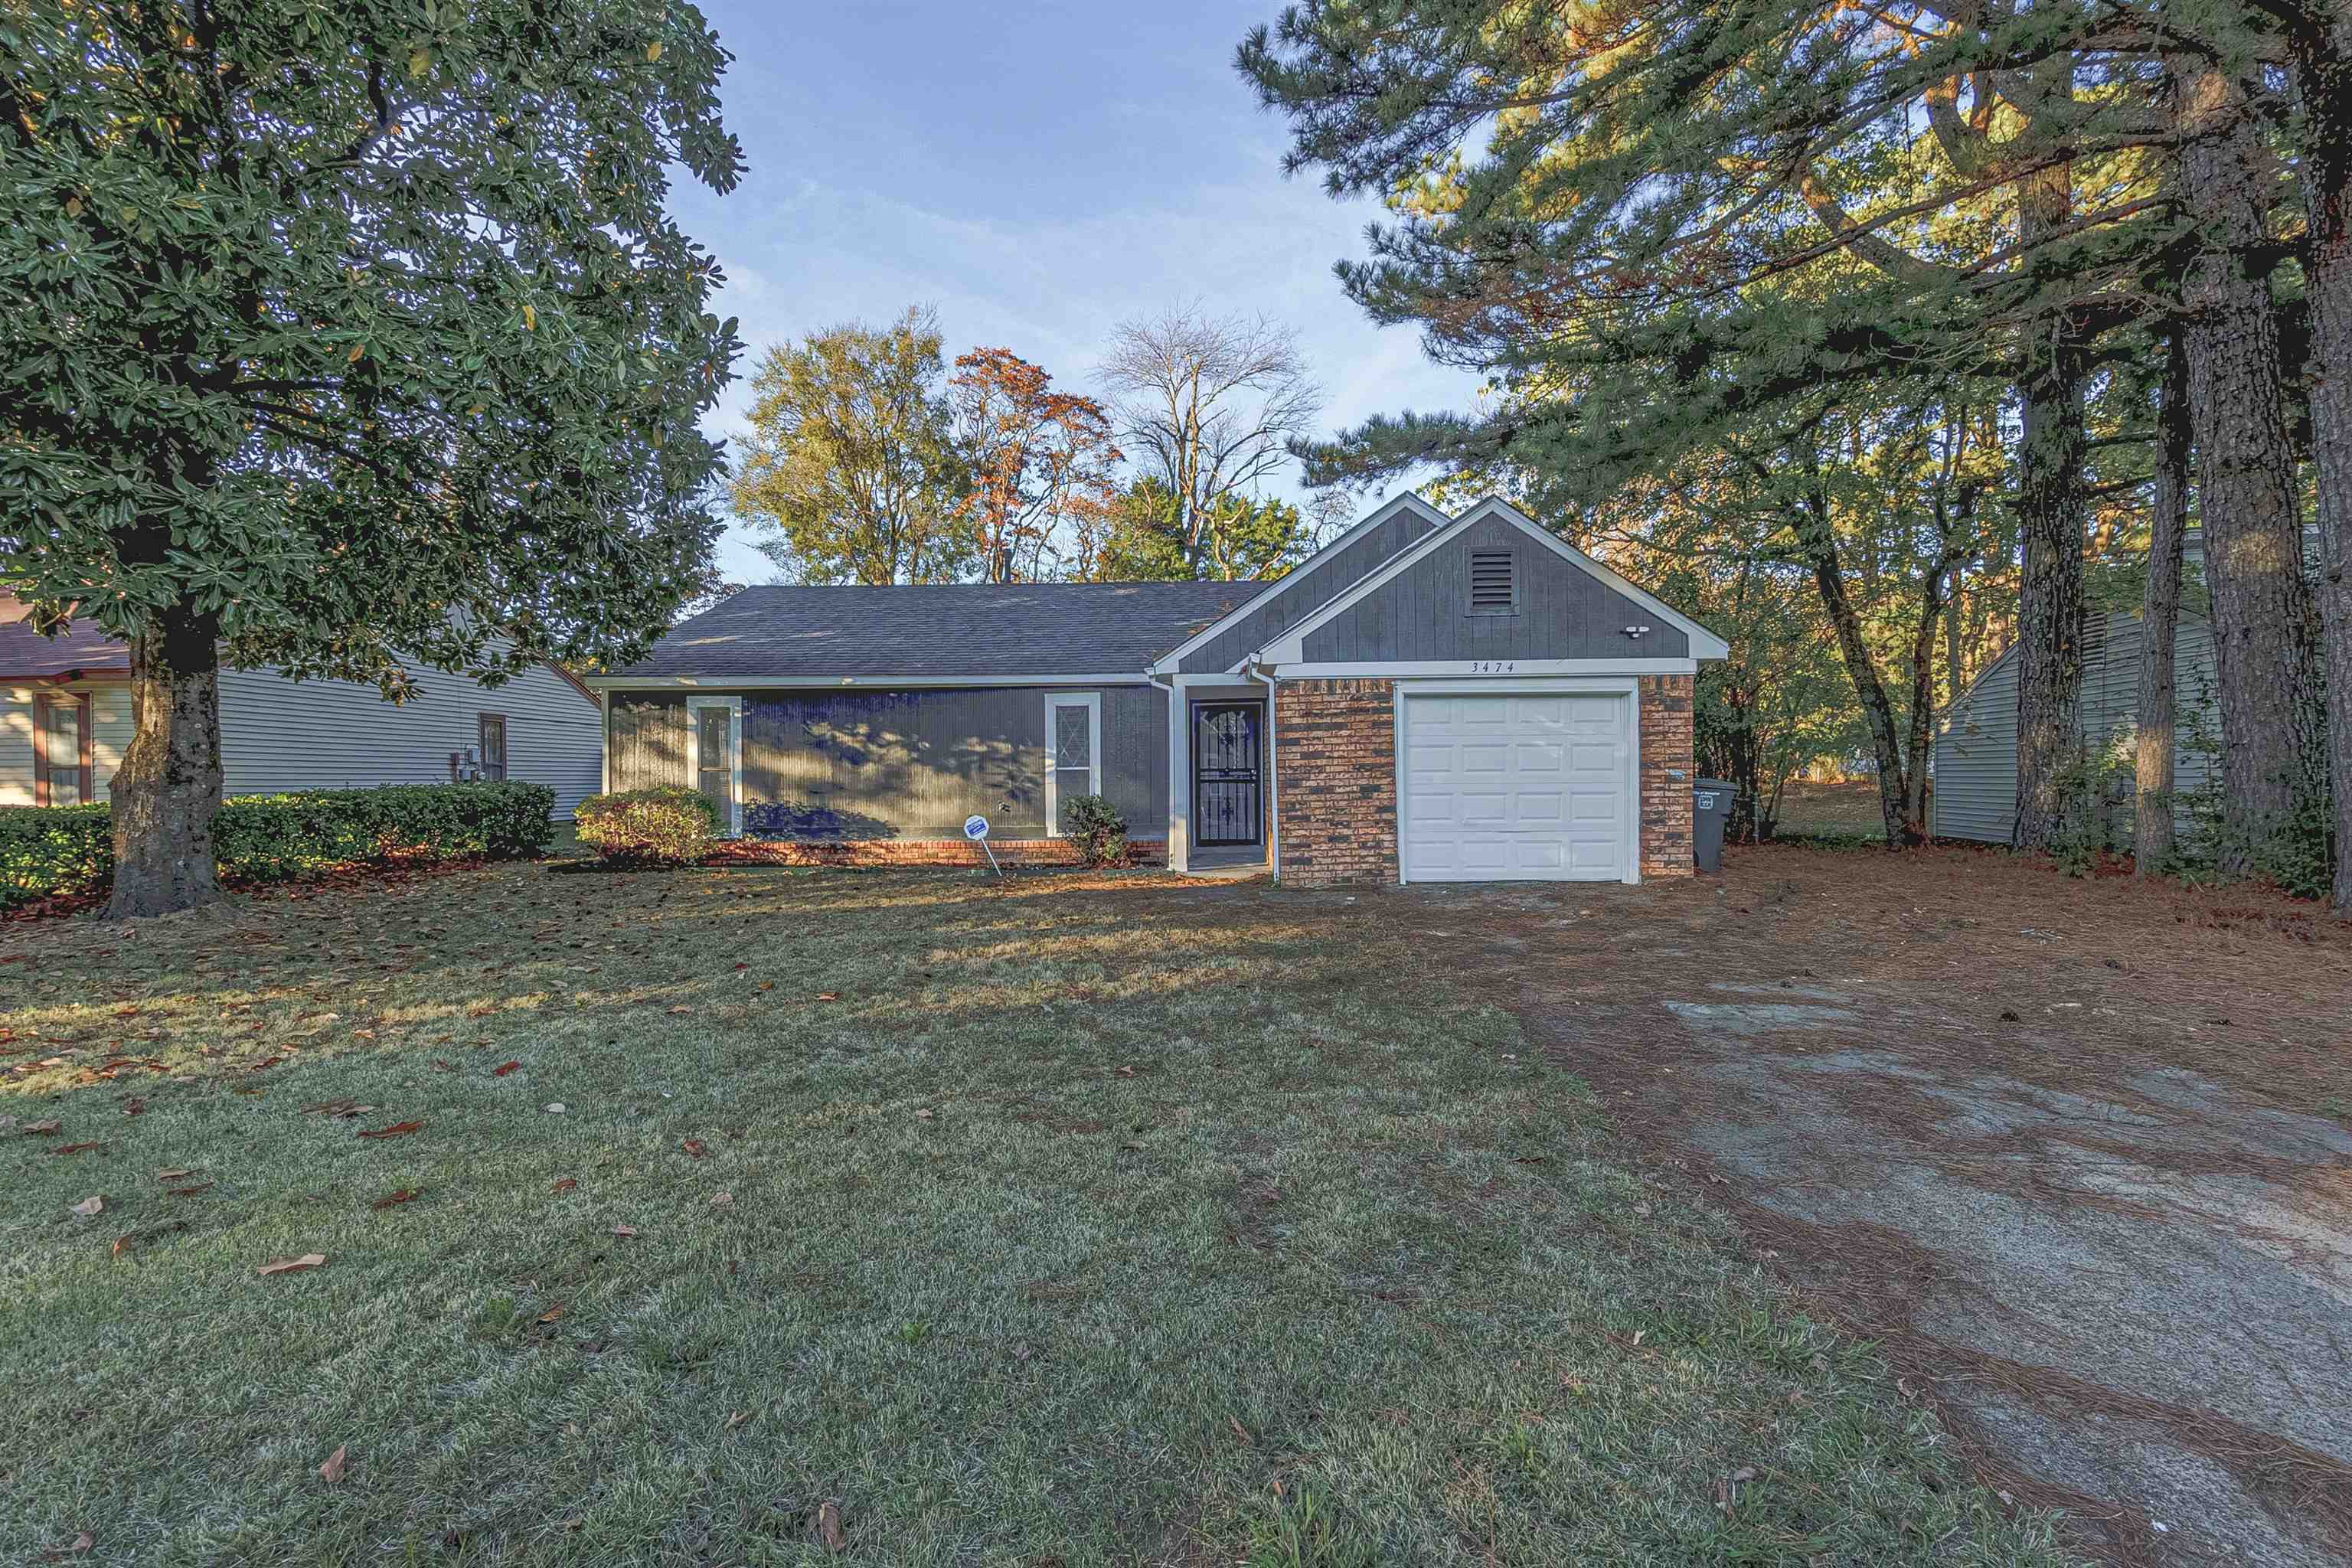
1073,743
493,734
60,778
1493,582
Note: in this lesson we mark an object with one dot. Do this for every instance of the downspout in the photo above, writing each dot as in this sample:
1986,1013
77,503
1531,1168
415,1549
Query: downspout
1273,772
1175,707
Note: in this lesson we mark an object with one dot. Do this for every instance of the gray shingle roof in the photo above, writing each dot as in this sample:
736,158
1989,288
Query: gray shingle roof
949,629
24,652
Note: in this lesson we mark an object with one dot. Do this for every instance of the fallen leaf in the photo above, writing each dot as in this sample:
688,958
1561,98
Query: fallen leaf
553,1107
625,1231
119,1243
189,1192
552,1314
767,985
681,1008
923,1115
393,1200
81,1542
565,1183
737,1417
828,1526
174,1175
503,1068
742,966
39,1127
291,1264
828,995
1239,1430
397,1130
332,1470
75,1148
1744,1473
695,1147
720,1200
89,1205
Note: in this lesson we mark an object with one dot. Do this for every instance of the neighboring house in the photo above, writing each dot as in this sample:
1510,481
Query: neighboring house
1975,759
1426,699
65,720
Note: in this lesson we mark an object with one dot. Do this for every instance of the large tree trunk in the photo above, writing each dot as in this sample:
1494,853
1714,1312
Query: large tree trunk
170,781
2160,622
2049,506
2323,60
2266,657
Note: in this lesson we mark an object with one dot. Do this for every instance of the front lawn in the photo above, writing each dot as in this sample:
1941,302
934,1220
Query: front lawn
933,1218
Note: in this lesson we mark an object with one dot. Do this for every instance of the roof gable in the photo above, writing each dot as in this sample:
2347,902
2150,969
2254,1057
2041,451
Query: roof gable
1412,608
1389,529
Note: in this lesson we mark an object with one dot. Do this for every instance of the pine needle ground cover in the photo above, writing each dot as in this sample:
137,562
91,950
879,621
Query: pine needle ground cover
537,1214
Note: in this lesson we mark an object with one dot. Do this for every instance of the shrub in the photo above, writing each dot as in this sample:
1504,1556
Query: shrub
274,837
48,851
1098,830
667,826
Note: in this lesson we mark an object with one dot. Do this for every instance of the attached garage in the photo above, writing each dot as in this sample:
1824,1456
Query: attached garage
1517,786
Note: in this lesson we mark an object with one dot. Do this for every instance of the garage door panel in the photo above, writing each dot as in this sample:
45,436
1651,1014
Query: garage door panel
1516,787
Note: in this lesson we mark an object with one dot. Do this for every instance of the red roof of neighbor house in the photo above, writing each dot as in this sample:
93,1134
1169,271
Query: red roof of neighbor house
80,649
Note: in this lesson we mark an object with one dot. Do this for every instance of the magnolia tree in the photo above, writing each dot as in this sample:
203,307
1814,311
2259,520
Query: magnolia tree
346,333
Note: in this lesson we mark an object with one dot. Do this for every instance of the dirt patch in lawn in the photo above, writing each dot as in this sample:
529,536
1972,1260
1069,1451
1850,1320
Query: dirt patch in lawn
2078,1153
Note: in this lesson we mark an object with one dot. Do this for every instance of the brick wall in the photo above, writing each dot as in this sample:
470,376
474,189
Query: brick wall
1666,797
925,852
1335,767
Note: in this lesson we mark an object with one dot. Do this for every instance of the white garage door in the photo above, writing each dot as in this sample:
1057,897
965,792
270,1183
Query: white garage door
1527,789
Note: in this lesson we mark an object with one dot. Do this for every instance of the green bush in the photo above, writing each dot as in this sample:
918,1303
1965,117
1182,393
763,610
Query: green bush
275,838
667,827
1098,830
49,850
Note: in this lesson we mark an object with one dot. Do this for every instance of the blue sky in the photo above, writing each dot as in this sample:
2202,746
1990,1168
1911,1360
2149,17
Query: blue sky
1037,171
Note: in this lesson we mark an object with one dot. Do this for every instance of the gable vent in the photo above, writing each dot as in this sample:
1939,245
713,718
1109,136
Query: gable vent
1493,582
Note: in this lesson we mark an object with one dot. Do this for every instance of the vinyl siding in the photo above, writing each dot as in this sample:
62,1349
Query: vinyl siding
1975,746
1422,613
1307,594
903,764
16,746
278,734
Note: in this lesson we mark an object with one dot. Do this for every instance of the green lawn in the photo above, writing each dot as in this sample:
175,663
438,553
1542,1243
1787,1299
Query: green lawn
1050,1221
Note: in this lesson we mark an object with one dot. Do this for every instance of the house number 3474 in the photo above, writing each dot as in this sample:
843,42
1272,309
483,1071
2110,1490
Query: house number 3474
1492,666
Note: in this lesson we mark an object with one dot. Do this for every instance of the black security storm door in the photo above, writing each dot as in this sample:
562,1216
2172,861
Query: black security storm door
1227,808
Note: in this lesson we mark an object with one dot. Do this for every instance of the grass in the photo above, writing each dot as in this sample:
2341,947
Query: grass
1050,1221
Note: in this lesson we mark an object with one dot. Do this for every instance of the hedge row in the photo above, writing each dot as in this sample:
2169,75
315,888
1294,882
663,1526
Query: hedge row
661,827
48,851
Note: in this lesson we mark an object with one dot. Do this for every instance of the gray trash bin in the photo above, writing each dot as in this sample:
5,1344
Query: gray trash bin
1710,812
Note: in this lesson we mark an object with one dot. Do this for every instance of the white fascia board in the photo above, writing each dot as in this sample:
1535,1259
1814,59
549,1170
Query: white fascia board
1290,648
847,682
1485,669
1167,662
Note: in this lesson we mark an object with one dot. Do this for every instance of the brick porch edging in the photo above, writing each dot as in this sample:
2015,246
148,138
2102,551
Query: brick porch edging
922,852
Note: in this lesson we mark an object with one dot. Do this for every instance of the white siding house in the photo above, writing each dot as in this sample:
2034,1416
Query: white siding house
65,720
1975,759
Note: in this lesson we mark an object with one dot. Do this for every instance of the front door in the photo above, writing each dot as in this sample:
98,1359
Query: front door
1226,759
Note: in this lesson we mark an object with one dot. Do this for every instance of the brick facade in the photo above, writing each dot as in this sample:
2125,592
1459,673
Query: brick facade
924,852
1335,781
1667,772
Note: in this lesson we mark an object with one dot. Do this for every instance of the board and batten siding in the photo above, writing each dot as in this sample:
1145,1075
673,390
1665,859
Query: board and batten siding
834,765
1308,594
1975,746
1424,612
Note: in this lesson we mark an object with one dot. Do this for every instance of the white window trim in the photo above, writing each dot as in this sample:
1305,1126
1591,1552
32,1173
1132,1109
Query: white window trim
1629,687
1092,702
734,707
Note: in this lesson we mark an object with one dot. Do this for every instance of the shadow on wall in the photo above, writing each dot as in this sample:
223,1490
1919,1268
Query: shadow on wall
811,822
835,769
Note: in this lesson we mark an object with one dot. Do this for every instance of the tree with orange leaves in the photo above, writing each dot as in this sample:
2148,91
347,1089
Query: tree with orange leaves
1040,459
